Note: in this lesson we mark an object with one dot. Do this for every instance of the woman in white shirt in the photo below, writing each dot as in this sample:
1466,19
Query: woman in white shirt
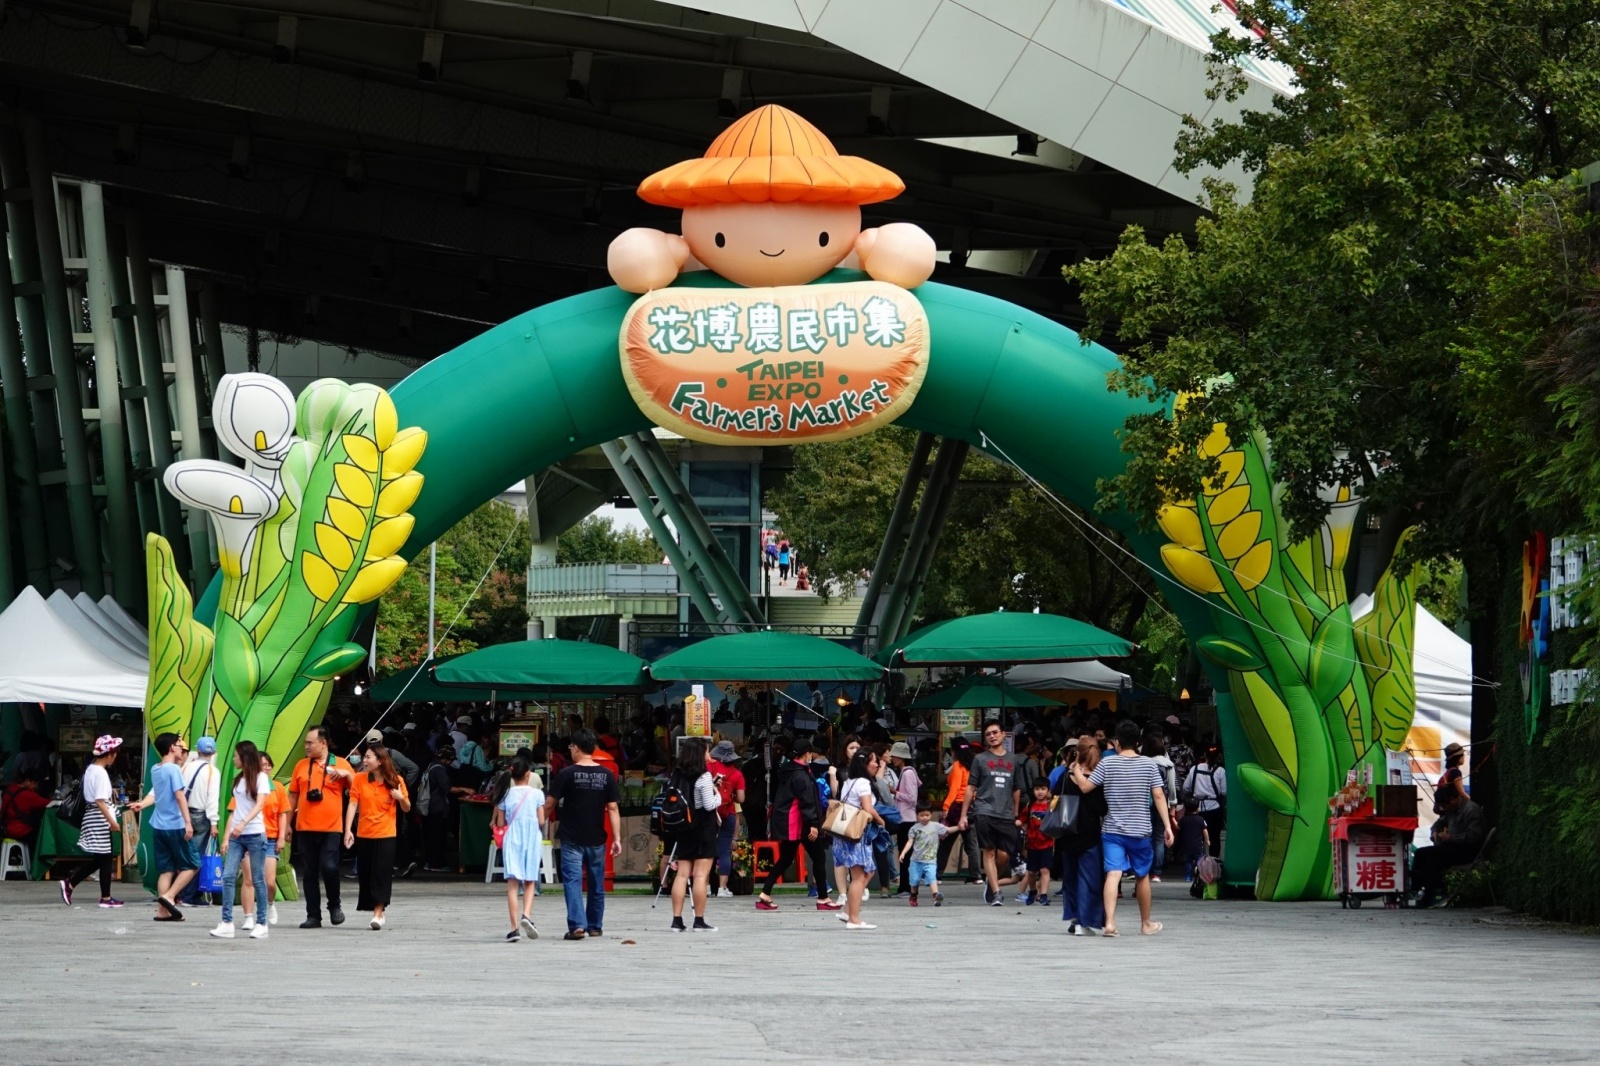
856,855
695,849
94,838
247,834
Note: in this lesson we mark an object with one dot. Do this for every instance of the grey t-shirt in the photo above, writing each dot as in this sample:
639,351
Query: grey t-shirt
993,779
925,841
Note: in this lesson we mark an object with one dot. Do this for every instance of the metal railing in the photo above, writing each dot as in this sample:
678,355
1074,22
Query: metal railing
601,580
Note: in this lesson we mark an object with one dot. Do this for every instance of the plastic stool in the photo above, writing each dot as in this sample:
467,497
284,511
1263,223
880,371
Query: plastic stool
495,863
14,859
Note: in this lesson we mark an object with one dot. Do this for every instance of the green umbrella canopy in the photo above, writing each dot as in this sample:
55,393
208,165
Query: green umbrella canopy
983,692
766,655
1005,637
422,688
547,666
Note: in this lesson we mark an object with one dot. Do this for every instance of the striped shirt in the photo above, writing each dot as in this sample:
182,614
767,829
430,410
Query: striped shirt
1127,783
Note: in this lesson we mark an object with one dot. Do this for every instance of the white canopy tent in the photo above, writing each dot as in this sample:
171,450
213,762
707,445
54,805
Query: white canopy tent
56,652
1441,664
1083,675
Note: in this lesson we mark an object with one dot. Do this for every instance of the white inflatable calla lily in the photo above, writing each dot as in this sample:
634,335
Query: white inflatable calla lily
254,416
237,503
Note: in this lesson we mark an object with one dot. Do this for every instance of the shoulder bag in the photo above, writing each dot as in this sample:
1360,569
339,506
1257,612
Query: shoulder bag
845,820
499,831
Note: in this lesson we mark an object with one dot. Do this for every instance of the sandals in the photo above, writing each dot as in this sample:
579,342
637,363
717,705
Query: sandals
1155,927
1109,932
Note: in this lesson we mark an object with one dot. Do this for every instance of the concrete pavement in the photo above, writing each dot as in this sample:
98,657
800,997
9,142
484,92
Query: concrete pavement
1225,982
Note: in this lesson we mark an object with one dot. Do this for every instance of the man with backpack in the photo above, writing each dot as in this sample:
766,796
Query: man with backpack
584,796
1207,785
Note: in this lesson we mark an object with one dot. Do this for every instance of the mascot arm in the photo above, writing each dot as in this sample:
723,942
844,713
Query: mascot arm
900,253
640,259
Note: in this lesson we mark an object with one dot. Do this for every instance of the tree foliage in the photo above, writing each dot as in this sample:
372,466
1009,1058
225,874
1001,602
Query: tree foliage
1336,308
601,540
480,597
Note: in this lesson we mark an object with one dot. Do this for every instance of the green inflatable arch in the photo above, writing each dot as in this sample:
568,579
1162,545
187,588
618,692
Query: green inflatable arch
536,389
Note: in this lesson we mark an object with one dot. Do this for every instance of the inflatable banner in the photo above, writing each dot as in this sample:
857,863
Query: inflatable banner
775,365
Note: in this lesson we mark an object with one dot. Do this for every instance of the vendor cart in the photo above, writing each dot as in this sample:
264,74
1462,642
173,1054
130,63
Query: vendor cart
1369,857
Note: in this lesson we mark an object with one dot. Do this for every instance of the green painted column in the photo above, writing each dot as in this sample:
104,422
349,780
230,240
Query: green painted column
63,364
19,435
125,548
153,504
30,298
146,323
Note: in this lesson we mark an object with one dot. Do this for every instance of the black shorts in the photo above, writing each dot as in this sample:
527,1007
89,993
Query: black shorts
1042,859
997,834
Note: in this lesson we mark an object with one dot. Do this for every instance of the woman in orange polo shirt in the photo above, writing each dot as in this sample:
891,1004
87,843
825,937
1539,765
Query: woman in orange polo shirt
274,812
377,794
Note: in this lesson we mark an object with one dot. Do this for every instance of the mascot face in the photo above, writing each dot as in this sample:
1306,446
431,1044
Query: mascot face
769,243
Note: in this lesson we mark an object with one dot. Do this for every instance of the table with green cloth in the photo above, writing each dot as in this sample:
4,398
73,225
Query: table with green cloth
58,839
472,833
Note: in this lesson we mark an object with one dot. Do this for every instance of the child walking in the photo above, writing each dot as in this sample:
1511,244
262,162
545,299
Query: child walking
1194,839
523,845
1041,849
922,844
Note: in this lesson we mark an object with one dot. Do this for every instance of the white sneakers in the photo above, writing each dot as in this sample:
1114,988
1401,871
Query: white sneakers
248,923
859,925
272,914
377,923
725,892
224,930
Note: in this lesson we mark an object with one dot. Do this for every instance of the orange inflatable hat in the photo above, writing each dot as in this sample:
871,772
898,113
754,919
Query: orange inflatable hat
771,154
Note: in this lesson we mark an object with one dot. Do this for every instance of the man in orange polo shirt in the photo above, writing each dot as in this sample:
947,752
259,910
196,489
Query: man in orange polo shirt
316,824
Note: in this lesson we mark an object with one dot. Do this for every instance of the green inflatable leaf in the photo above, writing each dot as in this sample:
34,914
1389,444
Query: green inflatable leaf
1229,654
180,647
327,666
1267,788
234,664
1332,658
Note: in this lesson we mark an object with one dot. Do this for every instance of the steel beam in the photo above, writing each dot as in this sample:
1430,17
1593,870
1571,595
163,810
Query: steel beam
906,590
30,297
147,327
23,454
85,522
154,504
634,482
121,526
894,538
186,396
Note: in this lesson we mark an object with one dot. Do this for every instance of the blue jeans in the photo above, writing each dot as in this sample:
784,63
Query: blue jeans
255,845
1158,841
1082,887
725,835
577,860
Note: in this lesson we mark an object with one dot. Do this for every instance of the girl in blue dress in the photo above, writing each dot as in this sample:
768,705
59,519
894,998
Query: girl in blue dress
519,810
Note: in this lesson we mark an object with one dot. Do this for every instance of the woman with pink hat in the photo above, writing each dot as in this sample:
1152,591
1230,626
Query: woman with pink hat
98,817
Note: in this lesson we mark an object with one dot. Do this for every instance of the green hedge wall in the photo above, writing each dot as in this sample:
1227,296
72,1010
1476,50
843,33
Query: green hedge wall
1547,851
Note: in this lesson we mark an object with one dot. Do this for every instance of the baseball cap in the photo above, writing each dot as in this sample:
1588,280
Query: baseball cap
375,736
206,745
1173,719
465,719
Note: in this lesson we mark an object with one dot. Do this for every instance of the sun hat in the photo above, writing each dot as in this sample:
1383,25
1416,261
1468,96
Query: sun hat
106,745
899,750
771,155
724,751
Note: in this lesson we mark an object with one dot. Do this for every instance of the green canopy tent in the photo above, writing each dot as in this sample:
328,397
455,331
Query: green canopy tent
765,655
1002,638
415,684
982,691
547,666
769,656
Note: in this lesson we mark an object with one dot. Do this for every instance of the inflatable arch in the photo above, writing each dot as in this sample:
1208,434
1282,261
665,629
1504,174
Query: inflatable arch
332,501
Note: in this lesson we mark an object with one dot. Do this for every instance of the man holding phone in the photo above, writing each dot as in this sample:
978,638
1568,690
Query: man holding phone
316,824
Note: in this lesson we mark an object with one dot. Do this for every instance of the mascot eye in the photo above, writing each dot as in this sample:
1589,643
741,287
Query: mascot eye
722,242
822,241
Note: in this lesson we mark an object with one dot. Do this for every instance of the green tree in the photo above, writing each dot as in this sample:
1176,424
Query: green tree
480,597
602,540
1005,544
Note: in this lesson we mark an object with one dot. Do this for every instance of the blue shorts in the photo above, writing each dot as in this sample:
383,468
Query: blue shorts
174,854
1127,853
924,873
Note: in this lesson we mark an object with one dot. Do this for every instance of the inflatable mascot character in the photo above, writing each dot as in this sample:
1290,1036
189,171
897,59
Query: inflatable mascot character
771,203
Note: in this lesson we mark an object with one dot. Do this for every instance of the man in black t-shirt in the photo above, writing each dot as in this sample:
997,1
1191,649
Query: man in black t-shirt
583,796
992,800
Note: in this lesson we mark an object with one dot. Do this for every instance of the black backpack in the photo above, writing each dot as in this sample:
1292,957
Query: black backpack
671,812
